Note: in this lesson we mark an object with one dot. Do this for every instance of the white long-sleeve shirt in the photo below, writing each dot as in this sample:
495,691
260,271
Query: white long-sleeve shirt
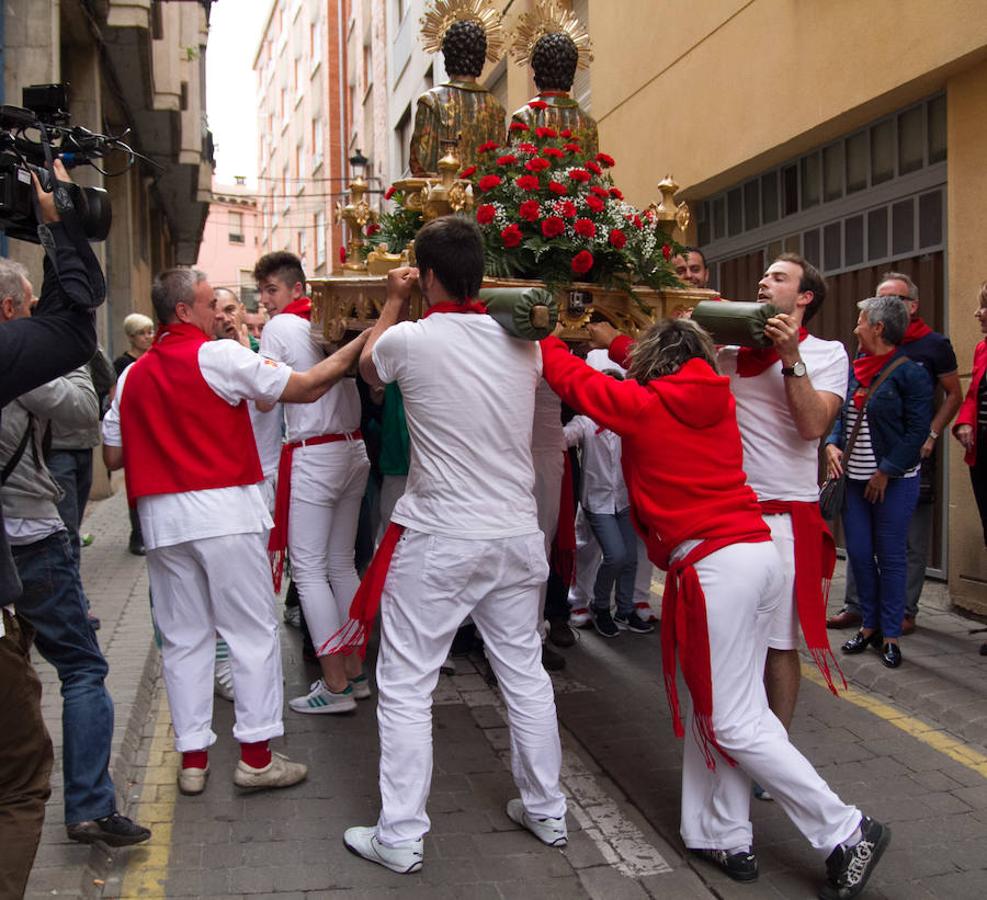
603,489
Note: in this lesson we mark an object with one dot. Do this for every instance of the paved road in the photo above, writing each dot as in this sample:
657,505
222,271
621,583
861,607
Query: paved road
902,745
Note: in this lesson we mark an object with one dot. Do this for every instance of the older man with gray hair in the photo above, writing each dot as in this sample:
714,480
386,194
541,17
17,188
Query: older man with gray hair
176,413
934,353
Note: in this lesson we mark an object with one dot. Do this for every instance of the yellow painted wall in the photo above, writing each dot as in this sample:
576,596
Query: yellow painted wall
716,90
966,98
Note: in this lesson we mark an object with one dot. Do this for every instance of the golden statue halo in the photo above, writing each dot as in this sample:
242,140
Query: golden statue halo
443,14
549,17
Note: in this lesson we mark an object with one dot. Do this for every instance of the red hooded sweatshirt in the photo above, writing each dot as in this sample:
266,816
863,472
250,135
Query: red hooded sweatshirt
682,457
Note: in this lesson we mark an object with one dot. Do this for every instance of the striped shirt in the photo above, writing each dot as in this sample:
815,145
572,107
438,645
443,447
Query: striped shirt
862,462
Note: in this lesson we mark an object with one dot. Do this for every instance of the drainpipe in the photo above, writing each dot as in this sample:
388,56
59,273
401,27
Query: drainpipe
3,92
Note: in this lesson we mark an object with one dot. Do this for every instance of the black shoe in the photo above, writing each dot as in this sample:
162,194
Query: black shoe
560,634
633,622
137,547
891,655
94,622
552,661
604,624
983,649
849,868
114,831
739,866
859,643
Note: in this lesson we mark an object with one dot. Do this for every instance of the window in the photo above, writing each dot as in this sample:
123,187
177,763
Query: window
317,142
315,42
303,248
236,227
403,132
320,238
368,67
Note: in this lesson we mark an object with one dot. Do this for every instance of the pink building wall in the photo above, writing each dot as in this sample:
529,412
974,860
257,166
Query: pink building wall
231,240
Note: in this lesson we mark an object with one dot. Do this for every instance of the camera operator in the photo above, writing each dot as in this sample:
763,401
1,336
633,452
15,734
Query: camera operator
59,337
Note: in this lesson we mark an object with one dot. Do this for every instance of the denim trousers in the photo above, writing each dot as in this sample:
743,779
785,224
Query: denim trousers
73,471
53,604
618,568
876,541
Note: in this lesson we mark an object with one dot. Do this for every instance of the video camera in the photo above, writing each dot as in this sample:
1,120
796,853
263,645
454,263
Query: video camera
31,137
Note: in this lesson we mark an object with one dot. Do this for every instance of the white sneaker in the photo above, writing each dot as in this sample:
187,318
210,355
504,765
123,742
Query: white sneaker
549,831
321,701
192,780
362,840
361,687
580,617
280,772
645,611
223,686
293,616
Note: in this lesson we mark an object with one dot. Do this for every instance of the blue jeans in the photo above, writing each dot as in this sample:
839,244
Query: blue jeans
876,542
73,470
52,603
615,535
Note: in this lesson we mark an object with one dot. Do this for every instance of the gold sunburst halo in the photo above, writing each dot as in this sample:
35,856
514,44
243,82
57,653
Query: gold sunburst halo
549,17
443,14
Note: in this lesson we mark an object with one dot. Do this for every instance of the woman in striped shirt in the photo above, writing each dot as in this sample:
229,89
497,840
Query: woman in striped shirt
882,469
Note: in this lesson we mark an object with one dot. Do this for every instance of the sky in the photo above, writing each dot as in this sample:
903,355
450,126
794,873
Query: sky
234,33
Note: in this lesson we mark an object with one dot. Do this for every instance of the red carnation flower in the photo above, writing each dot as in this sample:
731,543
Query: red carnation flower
567,132
595,203
509,160
342,255
582,262
605,160
537,164
527,182
468,172
489,182
572,148
518,126
618,239
529,210
389,192
599,191
553,152
557,188
567,208
636,220
372,229
579,175
585,228
538,104
544,132
666,251
511,236
616,193
553,226
526,147
487,147
485,213
594,168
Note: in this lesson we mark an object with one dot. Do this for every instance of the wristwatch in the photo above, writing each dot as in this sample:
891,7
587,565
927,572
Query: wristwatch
796,371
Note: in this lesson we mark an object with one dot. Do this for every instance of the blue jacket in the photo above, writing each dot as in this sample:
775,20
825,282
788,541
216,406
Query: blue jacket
898,414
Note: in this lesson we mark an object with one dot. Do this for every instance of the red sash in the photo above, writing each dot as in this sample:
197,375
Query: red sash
685,631
916,329
753,361
563,555
815,559
865,367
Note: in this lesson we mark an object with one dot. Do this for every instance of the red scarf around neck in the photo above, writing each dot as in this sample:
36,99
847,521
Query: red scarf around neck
916,329
752,361
355,633
300,307
865,367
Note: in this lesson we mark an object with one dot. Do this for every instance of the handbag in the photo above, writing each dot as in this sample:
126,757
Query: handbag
832,494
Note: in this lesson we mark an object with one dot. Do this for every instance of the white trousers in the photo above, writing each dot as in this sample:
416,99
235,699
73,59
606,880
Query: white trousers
784,628
743,584
434,582
327,485
201,588
548,497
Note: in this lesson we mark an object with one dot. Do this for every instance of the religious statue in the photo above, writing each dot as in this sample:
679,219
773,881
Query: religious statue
468,32
555,43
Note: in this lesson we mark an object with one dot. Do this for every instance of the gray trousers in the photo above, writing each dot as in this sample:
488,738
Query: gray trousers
919,530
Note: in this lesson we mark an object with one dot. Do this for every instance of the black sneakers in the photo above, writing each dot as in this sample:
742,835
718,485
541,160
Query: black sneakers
604,624
113,830
739,866
849,868
633,622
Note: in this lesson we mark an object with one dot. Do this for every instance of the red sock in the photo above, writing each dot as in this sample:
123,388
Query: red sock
257,754
195,759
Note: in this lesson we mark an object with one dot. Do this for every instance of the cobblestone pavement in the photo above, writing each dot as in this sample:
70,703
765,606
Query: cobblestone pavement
906,746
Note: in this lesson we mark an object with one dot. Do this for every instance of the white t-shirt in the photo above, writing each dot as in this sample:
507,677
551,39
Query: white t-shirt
469,398
546,430
269,436
287,339
603,489
779,464
235,374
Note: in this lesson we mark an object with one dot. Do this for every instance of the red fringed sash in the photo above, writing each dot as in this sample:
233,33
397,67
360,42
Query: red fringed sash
563,556
815,559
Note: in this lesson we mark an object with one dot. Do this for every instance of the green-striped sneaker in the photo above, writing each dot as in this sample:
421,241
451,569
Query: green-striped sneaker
361,687
321,701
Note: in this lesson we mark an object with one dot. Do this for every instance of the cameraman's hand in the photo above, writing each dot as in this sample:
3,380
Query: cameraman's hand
46,199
